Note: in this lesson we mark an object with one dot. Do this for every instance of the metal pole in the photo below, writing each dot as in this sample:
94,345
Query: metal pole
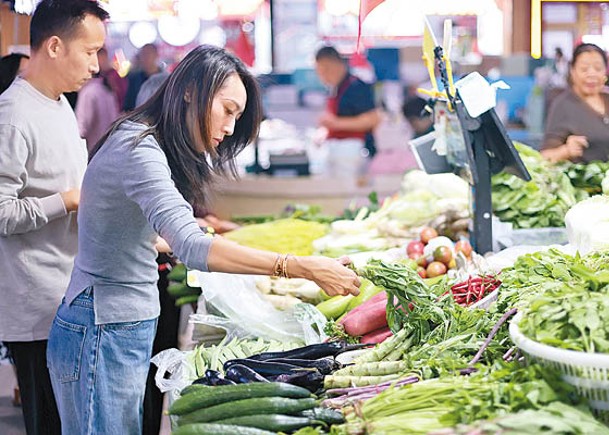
482,237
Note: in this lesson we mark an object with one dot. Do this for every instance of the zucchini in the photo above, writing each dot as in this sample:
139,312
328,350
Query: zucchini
190,299
274,422
258,405
218,429
179,290
178,273
326,415
204,396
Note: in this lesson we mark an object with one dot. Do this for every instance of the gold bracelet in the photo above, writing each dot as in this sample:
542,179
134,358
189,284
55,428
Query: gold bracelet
285,266
277,266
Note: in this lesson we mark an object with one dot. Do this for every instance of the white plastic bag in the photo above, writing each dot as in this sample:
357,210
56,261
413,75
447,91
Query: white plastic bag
235,305
176,363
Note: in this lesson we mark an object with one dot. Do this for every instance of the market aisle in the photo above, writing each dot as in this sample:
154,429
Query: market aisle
11,420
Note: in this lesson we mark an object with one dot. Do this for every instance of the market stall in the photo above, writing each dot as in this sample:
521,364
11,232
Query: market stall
440,339
409,354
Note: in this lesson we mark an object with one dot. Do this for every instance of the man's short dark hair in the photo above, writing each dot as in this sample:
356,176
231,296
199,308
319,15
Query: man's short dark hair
413,107
328,52
61,18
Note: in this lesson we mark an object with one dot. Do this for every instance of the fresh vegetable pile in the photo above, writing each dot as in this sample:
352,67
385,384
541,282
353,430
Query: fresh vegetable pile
587,177
539,203
271,407
427,406
179,288
213,357
474,289
441,199
286,293
570,308
293,236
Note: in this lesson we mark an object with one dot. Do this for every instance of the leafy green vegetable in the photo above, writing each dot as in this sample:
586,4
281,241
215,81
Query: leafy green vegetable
539,203
564,299
556,418
435,404
586,176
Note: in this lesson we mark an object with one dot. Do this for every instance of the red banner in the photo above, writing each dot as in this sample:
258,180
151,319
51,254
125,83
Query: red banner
365,7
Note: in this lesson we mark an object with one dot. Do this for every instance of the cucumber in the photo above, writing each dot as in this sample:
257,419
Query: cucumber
190,299
326,415
210,396
274,422
192,388
218,429
179,290
178,273
258,405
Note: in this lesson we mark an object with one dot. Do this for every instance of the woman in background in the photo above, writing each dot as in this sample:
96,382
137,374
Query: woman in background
577,127
11,66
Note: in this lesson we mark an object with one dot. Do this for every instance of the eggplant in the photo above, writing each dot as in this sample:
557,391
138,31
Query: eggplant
243,375
202,381
313,351
216,378
324,365
311,380
264,368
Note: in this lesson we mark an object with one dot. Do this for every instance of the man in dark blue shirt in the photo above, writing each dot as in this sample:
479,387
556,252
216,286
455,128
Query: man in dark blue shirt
350,112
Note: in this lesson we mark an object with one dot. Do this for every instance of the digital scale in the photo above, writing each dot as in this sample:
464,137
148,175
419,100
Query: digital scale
475,148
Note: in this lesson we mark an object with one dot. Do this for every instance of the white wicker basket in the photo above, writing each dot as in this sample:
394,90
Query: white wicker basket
587,372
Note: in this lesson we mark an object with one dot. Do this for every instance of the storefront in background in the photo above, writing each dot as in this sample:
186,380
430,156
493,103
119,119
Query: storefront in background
564,24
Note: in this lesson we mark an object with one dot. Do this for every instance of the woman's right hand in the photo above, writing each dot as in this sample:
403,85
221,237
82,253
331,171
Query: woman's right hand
333,276
575,146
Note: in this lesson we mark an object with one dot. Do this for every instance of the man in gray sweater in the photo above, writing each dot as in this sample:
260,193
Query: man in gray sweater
42,162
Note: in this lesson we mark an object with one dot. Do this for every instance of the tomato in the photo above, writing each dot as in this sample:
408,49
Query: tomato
465,247
428,233
421,261
435,268
443,254
415,247
422,272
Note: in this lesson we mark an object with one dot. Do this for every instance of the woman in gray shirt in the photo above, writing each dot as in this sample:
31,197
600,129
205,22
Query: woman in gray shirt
142,177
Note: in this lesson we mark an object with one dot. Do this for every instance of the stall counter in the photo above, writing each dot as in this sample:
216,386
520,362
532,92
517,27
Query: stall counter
262,194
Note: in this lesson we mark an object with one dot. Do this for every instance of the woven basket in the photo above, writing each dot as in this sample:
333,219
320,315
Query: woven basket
587,372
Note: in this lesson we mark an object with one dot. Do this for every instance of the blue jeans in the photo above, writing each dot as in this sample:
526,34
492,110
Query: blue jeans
98,372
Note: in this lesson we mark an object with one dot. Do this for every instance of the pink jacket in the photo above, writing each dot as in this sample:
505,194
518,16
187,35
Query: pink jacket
96,109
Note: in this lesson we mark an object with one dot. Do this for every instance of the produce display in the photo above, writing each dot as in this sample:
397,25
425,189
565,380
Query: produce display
539,203
569,302
587,177
179,288
424,199
425,348
286,236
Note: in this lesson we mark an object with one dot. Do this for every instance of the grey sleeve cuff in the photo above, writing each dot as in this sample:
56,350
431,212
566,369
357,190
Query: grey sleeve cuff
53,206
195,255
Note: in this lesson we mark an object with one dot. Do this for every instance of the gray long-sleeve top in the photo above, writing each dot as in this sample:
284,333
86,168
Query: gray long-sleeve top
41,154
127,198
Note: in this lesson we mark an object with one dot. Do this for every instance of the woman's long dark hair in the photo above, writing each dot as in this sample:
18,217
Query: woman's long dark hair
9,67
201,74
